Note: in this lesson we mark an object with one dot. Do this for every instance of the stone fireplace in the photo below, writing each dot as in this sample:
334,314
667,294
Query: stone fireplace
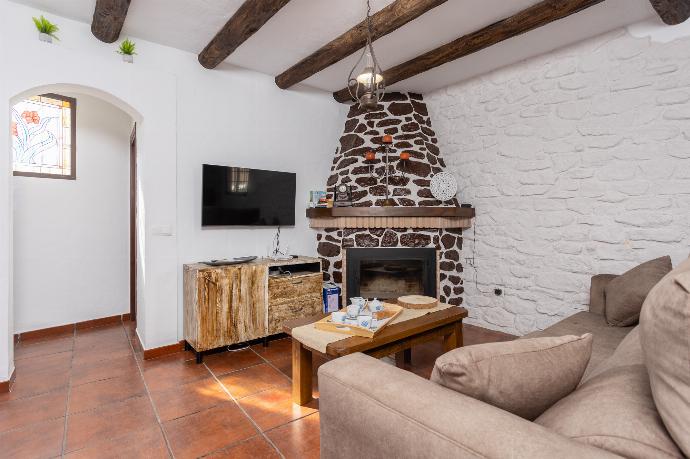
387,273
405,117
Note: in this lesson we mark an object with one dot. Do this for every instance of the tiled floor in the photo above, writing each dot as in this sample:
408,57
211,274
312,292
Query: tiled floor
90,394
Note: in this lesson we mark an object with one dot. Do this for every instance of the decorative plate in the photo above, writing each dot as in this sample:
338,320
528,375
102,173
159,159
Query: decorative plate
444,187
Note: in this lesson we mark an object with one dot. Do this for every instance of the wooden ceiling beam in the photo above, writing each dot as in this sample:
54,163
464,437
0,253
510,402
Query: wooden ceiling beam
531,18
108,19
672,12
383,22
249,18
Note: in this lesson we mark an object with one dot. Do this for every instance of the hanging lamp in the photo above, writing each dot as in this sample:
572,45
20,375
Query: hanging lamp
367,86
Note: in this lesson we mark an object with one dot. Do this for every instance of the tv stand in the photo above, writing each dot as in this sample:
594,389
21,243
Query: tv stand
225,305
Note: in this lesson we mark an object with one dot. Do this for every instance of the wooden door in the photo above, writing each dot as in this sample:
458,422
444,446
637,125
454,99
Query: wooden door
230,306
248,305
211,309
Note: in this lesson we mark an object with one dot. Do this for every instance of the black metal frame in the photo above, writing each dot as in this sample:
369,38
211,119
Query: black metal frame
355,256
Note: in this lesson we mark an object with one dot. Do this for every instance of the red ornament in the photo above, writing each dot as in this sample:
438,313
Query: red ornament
404,155
387,138
370,155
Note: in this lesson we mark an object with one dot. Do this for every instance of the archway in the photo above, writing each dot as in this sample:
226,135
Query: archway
81,89
148,98
73,257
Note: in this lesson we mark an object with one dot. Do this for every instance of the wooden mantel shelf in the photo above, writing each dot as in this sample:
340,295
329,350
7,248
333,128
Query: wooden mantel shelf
391,217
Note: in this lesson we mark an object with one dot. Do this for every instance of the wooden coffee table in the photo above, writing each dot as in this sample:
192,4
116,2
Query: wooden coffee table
395,339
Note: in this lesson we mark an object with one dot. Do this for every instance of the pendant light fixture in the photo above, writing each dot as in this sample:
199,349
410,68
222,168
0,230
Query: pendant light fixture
367,85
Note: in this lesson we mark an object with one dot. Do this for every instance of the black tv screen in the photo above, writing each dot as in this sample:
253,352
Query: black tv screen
247,197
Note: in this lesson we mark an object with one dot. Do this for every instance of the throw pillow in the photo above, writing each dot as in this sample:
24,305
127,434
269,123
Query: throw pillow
665,339
524,377
626,293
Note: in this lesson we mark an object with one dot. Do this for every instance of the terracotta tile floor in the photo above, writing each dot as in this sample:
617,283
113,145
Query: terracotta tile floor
90,394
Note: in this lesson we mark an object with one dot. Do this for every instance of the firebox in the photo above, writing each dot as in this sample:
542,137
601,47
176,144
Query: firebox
390,272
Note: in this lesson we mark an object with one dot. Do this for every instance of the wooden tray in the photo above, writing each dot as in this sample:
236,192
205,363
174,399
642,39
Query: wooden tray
417,302
390,311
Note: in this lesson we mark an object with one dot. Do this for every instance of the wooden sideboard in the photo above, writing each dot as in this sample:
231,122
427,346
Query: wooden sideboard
232,304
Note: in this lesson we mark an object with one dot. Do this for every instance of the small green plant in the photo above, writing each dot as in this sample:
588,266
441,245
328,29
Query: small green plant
45,26
127,48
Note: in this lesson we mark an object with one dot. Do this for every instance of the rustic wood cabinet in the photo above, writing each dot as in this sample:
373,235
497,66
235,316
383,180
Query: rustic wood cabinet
226,305
293,297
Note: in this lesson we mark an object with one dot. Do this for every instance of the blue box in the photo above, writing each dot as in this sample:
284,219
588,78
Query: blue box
331,297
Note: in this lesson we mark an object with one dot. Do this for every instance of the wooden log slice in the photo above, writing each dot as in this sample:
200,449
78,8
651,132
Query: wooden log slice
417,302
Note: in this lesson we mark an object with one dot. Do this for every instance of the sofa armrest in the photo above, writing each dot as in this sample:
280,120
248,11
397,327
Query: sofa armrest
597,300
370,409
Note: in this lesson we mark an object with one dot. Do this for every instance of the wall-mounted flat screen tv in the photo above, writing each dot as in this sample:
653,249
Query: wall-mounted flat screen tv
237,196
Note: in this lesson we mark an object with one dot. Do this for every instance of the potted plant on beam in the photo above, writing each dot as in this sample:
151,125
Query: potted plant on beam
127,50
46,29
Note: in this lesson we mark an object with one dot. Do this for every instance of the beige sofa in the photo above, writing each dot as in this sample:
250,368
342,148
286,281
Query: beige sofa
370,409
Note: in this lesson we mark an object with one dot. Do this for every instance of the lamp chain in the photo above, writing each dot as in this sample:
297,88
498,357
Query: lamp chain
371,46
369,29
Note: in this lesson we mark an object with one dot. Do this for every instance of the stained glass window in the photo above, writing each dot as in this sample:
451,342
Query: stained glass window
43,143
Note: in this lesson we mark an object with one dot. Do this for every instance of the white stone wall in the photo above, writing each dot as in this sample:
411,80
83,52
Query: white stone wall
578,163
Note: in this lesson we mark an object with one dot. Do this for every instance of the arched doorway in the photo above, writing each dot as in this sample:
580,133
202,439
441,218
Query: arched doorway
72,178
149,97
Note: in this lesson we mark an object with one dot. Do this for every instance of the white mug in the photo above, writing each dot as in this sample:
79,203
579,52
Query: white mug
358,300
338,317
364,321
353,310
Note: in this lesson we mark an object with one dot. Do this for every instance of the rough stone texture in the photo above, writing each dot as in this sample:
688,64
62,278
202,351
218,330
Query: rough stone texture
348,238
408,115
578,163
349,163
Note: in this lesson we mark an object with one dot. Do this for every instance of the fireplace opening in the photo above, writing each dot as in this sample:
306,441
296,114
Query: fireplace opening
391,279
389,273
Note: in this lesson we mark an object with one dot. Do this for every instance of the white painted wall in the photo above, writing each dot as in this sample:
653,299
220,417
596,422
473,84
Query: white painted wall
6,294
189,115
578,163
71,237
249,122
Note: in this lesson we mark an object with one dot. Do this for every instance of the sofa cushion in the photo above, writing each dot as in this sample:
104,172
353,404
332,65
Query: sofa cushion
628,352
614,409
626,293
665,337
605,338
524,377
597,299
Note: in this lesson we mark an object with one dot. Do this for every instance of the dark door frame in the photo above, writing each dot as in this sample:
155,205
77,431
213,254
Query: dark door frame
133,224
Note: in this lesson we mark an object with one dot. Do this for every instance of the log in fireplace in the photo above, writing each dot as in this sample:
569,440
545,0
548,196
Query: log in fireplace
387,273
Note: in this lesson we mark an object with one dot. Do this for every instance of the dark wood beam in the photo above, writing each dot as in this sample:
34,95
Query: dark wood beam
385,21
528,19
108,18
249,18
672,12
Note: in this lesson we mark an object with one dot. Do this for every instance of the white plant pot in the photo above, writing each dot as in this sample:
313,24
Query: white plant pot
45,37
128,58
